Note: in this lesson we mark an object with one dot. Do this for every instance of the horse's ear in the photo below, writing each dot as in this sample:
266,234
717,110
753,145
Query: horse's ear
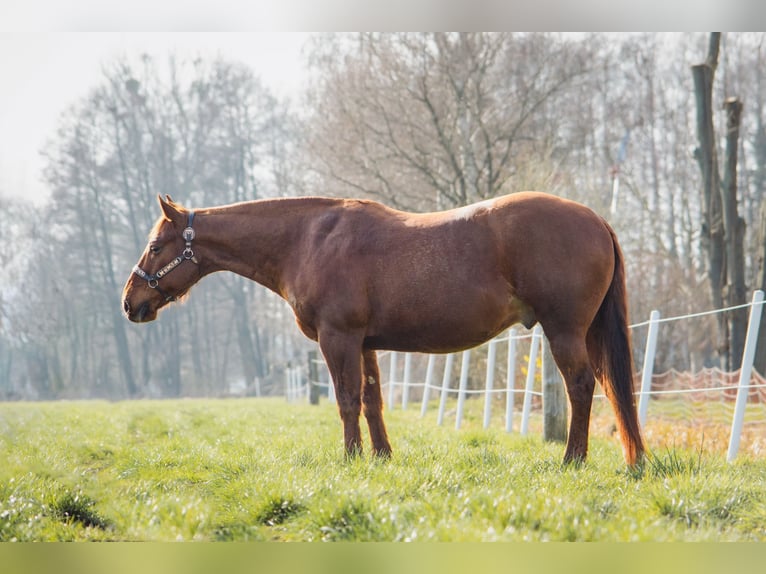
169,209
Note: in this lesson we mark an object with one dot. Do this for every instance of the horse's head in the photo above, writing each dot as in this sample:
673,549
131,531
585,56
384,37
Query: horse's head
168,266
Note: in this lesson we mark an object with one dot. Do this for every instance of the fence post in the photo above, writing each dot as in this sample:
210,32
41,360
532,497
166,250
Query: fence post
313,378
489,382
330,390
427,385
463,386
533,347
391,379
748,355
554,398
510,380
295,383
647,369
288,385
407,379
445,387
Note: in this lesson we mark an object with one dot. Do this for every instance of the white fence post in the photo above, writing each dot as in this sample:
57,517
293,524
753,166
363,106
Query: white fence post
391,379
489,382
407,379
647,370
287,385
330,390
463,386
533,348
510,380
291,391
427,385
297,390
748,355
445,387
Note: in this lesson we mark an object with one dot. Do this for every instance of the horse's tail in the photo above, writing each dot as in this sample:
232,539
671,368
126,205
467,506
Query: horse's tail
611,356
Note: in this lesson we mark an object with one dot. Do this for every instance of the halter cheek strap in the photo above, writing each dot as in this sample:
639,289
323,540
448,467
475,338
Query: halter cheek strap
153,280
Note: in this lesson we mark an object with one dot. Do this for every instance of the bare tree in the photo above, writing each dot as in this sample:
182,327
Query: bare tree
723,230
434,120
205,132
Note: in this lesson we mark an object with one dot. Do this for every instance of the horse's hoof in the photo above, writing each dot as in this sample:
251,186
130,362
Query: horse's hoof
382,453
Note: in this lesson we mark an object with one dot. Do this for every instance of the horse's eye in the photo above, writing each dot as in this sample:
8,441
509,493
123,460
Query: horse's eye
154,248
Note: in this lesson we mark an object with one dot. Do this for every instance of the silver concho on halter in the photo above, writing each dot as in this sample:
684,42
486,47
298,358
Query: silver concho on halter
188,235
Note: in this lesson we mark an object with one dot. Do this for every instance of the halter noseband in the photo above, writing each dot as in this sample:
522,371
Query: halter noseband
187,254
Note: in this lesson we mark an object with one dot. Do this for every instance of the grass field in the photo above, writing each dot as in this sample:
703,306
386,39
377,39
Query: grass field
260,469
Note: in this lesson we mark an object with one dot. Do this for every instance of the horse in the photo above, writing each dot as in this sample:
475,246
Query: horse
362,277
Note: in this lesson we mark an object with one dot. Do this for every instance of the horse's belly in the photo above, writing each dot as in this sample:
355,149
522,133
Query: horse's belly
451,329
425,341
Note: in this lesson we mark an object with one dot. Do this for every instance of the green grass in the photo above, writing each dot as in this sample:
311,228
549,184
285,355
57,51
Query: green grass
260,469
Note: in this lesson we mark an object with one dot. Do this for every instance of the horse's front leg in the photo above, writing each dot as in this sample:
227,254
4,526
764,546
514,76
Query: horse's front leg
372,400
343,355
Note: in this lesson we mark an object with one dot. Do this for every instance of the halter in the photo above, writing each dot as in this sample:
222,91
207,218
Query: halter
187,254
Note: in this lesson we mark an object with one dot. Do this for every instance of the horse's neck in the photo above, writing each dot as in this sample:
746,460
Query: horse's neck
255,239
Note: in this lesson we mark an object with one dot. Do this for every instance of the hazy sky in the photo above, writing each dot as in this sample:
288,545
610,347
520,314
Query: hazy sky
42,74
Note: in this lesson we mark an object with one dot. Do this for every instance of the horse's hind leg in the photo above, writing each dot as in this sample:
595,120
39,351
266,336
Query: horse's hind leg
372,402
343,354
571,355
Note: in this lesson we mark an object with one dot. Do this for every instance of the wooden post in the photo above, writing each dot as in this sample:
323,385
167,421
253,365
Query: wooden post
313,381
554,399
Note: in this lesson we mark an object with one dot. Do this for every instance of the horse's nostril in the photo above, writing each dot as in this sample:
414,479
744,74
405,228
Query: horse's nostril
142,312
126,306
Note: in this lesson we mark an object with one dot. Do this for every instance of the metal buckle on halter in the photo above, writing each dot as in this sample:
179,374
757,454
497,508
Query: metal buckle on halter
188,236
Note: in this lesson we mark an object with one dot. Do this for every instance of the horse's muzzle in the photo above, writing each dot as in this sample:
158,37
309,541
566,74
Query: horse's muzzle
139,315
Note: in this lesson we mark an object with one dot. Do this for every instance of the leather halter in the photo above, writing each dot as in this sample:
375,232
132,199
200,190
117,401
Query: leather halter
153,280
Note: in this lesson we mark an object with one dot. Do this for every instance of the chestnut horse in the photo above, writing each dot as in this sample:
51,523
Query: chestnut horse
362,277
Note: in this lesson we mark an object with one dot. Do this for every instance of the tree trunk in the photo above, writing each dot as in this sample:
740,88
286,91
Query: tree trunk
760,278
711,236
734,227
